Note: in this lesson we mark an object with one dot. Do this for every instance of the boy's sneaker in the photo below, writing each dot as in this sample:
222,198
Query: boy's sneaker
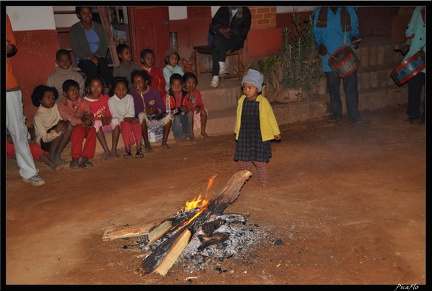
36,180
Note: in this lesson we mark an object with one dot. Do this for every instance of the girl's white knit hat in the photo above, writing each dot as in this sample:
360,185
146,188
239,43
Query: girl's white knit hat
255,78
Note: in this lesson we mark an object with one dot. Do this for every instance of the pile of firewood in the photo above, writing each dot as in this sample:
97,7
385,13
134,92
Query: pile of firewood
167,238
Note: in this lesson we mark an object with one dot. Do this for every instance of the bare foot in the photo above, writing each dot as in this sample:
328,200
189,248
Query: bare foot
204,135
107,156
149,149
115,155
57,168
59,161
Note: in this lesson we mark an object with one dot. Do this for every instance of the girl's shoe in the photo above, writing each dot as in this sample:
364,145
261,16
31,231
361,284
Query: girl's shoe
127,156
139,155
86,164
74,164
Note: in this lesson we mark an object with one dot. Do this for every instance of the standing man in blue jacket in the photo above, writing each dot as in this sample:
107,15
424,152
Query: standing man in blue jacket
333,28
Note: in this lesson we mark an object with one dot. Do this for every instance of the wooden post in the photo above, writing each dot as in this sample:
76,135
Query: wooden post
111,44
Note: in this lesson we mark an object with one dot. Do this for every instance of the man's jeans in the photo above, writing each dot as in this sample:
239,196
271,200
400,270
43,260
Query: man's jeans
351,95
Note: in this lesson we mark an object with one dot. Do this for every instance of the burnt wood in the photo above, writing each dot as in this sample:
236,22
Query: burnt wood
216,206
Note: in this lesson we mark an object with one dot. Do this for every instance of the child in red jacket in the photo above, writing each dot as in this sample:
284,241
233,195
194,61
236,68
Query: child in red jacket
77,111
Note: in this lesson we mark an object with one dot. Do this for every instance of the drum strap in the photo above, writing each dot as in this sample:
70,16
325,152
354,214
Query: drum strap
345,18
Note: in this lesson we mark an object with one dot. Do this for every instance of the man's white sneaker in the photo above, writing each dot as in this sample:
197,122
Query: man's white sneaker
223,72
36,180
214,84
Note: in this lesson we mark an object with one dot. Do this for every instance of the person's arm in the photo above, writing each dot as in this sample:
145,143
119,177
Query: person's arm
159,104
11,46
167,74
113,107
130,107
354,33
66,114
103,40
317,31
245,23
198,100
46,135
78,42
160,79
219,19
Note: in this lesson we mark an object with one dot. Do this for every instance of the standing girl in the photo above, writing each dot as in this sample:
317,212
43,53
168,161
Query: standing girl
121,105
193,100
103,120
255,127
52,132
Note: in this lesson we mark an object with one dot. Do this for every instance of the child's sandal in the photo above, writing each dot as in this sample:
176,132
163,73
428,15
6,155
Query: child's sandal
127,156
139,155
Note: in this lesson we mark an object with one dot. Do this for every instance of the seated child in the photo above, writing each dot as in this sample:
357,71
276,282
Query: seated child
63,72
126,64
179,111
103,121
37,152
149,108
171,60
52,133
156,74
121,105
193,100
77,111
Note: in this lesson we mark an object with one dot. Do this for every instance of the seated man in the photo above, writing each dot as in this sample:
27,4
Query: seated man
229,28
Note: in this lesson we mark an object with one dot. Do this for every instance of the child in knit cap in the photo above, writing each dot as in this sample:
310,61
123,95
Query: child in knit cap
255,128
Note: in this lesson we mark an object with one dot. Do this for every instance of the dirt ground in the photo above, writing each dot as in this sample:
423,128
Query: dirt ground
347,201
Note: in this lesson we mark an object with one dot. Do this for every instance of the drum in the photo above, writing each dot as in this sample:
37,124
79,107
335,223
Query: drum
344,61
409,68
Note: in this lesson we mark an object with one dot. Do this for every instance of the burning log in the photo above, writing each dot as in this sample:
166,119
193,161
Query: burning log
165,255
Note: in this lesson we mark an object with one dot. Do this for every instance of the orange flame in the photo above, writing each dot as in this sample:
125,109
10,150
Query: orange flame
196,203
210,184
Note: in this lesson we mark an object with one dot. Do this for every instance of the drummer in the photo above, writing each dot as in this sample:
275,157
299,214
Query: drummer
415,40
333,28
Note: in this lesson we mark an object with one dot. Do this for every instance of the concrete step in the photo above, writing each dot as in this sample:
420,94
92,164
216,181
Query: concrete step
220,122
375,77
375,51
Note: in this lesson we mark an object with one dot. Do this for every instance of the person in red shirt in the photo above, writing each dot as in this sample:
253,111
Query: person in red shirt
156,74
103,120
193,100
77,111
15,120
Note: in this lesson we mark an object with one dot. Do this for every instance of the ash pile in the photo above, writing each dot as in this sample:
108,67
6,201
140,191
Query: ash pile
228,236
